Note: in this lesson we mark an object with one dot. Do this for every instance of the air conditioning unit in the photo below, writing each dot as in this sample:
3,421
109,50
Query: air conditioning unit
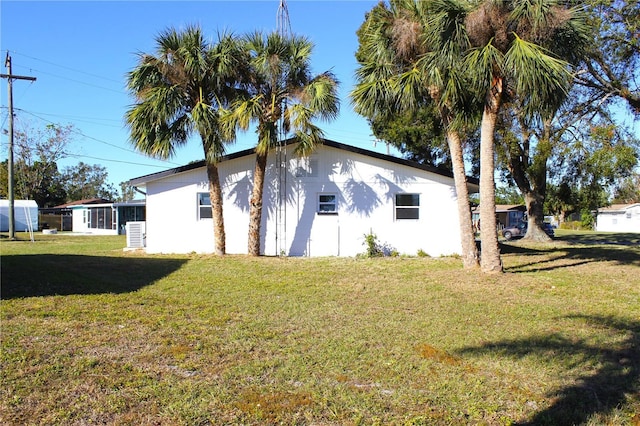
136,237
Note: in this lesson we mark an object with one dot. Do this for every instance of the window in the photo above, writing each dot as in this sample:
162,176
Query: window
327,204
204,206
407,206
101,218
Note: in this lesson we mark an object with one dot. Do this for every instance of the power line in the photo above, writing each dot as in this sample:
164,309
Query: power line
66,67
97,140
116,161
75,118
78,81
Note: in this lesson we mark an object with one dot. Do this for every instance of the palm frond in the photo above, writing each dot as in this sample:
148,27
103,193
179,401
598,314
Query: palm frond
486,63
538,76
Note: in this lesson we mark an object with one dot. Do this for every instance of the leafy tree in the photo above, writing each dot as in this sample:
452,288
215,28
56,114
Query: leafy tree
508,195
612,71
37,151
85,181
127,192
590,170
416,134
38,181
628,190
180,90
280,86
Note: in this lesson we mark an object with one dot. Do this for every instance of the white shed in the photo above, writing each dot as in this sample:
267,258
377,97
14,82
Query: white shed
619,218
25,214
322,205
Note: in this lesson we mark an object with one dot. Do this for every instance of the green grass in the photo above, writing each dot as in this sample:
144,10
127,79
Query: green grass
91,334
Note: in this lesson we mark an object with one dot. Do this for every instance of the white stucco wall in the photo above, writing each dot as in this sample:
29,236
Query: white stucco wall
80,221
627,220
365,189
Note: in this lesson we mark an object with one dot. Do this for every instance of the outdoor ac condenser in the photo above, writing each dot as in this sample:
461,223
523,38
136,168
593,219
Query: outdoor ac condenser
135,234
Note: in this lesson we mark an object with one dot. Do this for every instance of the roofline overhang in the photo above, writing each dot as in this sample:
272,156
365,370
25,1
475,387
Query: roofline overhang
472,183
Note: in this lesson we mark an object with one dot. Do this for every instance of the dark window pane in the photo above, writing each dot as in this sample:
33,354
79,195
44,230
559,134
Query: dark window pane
411,200
324,198
205,212
327,207
407,213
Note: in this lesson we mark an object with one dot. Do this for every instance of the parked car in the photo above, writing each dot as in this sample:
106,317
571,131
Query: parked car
519,230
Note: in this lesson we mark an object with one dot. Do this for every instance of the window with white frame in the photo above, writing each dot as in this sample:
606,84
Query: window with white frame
407,206
204,206
327,204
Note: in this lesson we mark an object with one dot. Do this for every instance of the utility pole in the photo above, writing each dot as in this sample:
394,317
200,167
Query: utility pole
10,77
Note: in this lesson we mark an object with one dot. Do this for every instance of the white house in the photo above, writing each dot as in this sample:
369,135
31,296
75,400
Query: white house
103,217
25,215
321,205
619,218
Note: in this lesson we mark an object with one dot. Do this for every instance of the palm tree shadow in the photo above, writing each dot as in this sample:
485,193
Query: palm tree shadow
568,255
597,392
48,274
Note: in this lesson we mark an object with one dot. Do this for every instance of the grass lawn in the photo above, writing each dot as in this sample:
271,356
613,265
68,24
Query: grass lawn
95,335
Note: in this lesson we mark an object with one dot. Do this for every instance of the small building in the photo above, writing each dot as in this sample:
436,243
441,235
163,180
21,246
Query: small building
507,215
321,205
619,218
103,217
25,215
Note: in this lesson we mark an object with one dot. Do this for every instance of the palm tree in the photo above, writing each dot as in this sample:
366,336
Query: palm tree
504,47
179,91
511,57
401,70
281,91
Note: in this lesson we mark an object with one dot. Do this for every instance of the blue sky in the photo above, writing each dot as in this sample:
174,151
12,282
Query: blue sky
80,52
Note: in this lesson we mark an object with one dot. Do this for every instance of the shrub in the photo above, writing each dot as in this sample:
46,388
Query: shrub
372,246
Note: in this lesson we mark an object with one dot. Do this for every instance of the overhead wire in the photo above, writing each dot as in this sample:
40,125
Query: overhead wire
73,130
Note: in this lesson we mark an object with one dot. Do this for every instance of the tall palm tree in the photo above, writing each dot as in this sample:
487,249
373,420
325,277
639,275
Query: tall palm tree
179,90
504,47
281,91
405,63
514,54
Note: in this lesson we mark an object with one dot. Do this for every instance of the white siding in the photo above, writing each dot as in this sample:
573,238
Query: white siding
623,220
365,189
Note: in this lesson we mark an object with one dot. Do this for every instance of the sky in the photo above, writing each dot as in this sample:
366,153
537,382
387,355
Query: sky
80,52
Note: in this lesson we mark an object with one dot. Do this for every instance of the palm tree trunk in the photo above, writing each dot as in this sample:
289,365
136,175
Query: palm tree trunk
467,236
215,194
255,210
489,250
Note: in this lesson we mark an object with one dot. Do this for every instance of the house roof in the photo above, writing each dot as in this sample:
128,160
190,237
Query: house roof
510,207
82,202
617,208
195,165
502,208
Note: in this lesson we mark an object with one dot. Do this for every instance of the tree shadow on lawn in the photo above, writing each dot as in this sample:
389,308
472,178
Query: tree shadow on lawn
610,374
557,257
49,274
